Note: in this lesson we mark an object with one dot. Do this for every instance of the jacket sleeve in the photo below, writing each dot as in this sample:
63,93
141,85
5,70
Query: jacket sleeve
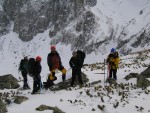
39,68
20,66
71,63
108,59
49,61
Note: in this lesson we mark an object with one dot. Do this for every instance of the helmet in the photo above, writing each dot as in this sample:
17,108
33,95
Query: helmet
112,50
38,58
53,48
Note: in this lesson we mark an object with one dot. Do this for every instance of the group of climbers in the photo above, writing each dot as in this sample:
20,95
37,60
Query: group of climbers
54,62
33,68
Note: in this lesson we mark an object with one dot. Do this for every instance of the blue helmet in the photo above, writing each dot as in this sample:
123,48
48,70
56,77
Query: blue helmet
113,50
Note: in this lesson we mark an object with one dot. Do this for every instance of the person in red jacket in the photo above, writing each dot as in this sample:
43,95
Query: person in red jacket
54,62
37,84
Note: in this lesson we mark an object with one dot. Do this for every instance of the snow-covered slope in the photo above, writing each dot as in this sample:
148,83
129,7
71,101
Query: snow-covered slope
95,98
116,23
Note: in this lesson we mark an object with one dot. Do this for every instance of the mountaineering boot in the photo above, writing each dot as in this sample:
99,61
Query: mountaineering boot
26,87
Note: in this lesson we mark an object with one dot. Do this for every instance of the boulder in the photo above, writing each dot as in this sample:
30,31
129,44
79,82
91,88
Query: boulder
142,82
67,83
131,75
20,99
146,73
45,107
111,81
8,82
3,108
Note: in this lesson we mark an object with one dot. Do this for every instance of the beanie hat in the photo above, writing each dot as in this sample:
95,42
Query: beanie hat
112,50
53,48
38,58
74,53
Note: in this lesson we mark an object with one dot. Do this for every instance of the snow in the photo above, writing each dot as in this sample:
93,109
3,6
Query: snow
52,98
62,99
12,50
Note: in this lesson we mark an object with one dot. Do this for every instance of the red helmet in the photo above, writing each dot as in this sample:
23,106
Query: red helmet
38,58
53,48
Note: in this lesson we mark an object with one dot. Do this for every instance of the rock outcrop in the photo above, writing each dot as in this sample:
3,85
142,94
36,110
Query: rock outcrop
8,82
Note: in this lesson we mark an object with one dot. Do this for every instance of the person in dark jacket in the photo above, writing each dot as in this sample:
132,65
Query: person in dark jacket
76,65
54,62
23,69
37,84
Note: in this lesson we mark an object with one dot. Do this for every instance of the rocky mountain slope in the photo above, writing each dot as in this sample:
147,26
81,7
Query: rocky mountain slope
86,24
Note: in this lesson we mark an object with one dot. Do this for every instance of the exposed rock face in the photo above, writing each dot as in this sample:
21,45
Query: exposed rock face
70,21
85,28
8,82
4,22
32,17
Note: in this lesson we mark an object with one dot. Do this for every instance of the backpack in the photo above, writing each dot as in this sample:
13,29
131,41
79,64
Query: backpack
23,65
108,58
31,68
81,55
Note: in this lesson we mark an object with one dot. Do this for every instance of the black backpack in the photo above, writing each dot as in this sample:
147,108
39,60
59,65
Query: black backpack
31,68
81,55
23,65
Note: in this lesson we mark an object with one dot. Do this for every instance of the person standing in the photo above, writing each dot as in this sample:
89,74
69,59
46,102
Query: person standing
113,62
23,69
76,65
54,62
37,84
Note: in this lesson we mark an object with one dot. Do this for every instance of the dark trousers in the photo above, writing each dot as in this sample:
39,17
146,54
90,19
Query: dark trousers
24,75
76,72
113,72
37,84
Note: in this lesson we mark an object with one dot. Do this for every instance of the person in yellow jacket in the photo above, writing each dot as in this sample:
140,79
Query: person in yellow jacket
113,62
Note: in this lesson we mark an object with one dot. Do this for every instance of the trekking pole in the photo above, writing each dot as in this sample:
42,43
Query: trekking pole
104,72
